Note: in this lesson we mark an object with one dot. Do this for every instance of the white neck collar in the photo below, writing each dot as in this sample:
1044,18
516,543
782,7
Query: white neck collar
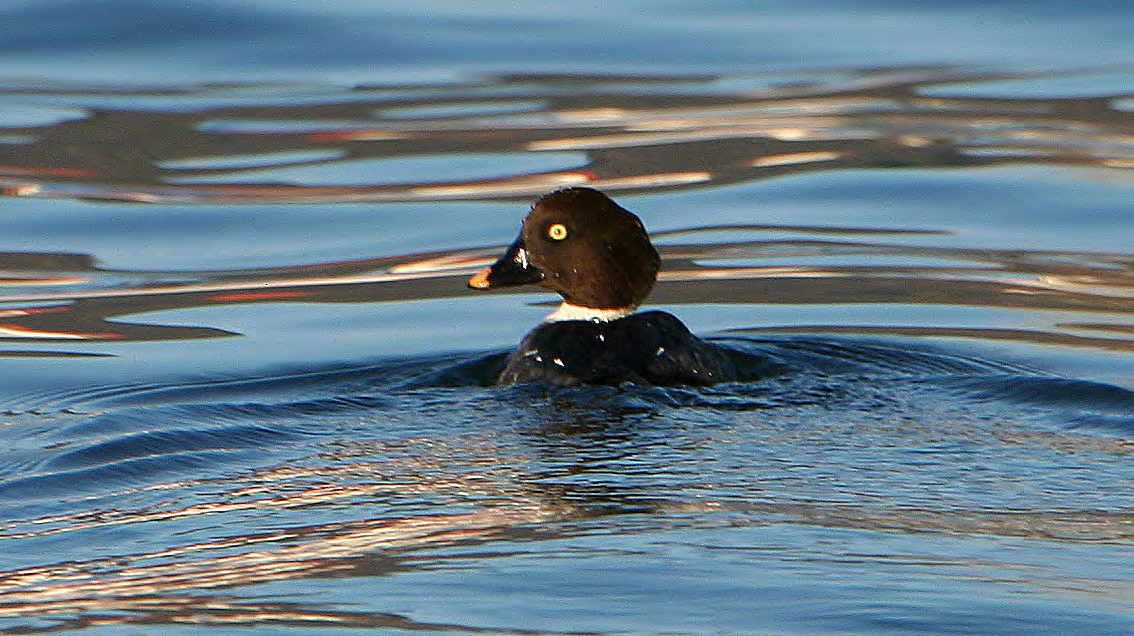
567,311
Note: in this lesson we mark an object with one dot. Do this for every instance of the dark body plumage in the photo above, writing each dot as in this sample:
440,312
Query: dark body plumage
652,347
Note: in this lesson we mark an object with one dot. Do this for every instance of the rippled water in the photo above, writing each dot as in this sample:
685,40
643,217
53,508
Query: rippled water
245,387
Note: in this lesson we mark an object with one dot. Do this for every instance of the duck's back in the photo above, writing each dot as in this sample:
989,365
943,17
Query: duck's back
651,347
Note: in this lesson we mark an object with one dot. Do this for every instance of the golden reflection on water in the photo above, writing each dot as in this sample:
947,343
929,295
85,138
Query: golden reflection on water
185,583
86,304
633,134
643,134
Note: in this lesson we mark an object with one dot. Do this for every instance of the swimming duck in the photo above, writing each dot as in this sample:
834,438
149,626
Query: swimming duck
597,255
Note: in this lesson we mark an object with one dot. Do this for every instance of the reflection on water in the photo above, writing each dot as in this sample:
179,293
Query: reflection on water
379,482
70,299
613,133
230,144
383,494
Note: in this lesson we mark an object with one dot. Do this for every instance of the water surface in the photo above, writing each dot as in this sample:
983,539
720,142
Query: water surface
245,386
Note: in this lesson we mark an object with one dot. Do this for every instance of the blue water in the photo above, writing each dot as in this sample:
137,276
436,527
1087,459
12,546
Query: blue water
245,388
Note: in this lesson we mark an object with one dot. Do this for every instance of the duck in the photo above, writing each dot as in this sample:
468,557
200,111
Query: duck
598,256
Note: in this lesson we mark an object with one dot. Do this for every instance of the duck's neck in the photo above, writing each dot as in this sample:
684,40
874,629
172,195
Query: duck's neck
567,311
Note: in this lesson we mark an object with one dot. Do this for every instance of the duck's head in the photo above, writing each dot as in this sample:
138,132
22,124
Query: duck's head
581,244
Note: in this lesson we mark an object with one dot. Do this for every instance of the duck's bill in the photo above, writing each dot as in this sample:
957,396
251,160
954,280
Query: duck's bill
513,268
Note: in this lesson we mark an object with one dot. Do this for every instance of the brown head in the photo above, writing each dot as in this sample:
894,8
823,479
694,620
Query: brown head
581,244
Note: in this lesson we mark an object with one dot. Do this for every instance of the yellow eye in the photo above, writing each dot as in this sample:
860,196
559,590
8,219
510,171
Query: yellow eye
557,232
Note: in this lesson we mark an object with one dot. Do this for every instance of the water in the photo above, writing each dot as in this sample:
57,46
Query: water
244,386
